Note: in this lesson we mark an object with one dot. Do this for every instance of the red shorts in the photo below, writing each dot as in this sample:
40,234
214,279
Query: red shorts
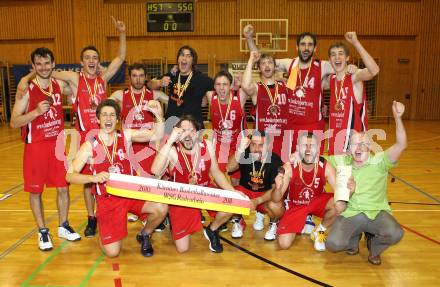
317,128
295,216
111,212
143,158
252,195
41,166
184,221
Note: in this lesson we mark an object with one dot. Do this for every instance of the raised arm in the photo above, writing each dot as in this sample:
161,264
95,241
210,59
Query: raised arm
167,155
70,77
395,151
371,68
23,84
117,62
160,96
282,181
248,32
248,85
83,156
233,161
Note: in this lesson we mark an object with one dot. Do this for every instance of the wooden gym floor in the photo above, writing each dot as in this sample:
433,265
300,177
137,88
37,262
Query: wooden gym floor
250,261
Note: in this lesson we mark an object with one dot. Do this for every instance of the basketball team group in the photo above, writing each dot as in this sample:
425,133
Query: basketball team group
282,161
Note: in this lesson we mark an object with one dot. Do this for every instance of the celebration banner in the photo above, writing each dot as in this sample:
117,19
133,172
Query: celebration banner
177,193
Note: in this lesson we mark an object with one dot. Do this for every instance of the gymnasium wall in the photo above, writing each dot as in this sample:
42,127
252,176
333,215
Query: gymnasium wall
389,29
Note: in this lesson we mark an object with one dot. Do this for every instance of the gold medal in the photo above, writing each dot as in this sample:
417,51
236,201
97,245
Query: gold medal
273,109
181,89
338,94
47,93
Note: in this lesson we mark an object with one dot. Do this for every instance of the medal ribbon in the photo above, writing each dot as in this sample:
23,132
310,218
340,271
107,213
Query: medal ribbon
338,94
315,172
272,98
137,106
95,88
227,109
182,89
47,93
261,168
301,84
187,163
107,153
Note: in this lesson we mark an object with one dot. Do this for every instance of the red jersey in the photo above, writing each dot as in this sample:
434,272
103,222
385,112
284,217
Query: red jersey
101,163
305,103
302,191
227,124
202,166
274,121
347,115
83,104
131,119
48,125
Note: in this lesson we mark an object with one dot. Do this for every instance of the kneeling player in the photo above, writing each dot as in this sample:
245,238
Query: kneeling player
306,182
107,152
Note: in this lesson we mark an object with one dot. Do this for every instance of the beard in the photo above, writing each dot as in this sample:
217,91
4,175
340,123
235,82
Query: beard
305,59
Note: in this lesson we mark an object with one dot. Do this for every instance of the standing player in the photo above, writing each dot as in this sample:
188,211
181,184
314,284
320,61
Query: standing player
227,117
305,184
258,169
270,98
188,87
305,75
191,160
133,102
348,107
88,88
107,152
39,112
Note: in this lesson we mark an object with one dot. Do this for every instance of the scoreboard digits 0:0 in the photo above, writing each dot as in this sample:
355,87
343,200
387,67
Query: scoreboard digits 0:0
170,16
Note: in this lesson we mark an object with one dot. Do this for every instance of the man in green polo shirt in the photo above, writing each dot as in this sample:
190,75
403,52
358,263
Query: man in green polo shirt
368,210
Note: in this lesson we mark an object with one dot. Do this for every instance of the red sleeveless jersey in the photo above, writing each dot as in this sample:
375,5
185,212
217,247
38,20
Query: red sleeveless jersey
82,105
227,127
101,162
48,125
349,116
180,171
302,191
130,118
274,124
305,104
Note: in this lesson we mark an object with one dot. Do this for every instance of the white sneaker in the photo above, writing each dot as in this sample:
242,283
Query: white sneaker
271,233
319,238
238,227
68,233
132,218
44,241
259,221
309,226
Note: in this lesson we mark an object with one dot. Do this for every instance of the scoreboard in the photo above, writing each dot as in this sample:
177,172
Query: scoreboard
170,16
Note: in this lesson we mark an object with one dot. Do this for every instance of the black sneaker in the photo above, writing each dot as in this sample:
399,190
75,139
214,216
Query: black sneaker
202,218
90,230
223,227
161,227
214,240
146,247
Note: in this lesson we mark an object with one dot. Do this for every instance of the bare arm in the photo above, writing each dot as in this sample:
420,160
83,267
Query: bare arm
233,161
283,65
117,97
69,77
248,32
74,175
372,69
243,98
282,183
19,116
154,134
160,96
167,155
119,60
23,84
395,151
215,171
248,85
